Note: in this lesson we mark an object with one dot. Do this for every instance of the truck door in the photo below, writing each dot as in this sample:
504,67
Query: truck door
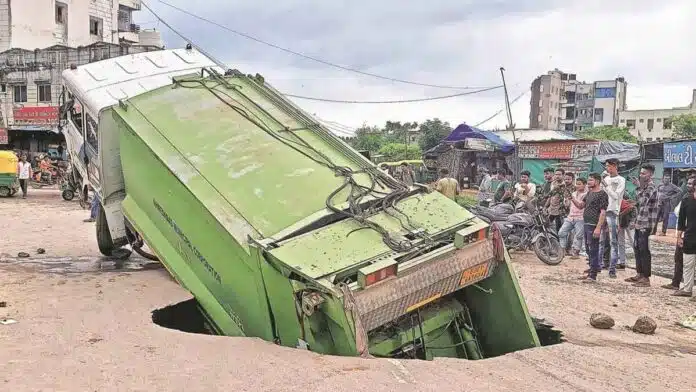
92,150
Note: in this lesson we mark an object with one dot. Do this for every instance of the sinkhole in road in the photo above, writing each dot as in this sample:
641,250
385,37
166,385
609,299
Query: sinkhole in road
186,316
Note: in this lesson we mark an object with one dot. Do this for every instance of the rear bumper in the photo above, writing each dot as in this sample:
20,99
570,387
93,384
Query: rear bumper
425,283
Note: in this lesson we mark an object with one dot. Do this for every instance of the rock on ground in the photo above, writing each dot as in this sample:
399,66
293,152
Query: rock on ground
601,321
645,325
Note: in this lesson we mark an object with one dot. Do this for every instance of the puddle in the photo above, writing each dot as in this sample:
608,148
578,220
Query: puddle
74,265
183,316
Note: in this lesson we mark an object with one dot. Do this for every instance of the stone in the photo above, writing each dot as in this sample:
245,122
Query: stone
644,325
601,321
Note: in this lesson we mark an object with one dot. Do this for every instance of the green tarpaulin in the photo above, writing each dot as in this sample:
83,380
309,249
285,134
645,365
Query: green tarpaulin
536,168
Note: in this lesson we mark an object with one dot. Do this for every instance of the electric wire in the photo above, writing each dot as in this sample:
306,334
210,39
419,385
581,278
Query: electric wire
501,110
307,57
318,99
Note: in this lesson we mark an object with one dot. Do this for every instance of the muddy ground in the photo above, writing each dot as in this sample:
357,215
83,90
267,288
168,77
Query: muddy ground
83,324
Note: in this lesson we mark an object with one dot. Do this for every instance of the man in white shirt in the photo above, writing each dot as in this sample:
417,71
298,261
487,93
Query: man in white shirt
524,190
24,173
615,186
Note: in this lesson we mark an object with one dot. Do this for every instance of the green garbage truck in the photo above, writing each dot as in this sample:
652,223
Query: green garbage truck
282,231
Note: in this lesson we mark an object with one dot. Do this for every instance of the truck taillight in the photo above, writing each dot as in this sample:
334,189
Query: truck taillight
380,275
498,242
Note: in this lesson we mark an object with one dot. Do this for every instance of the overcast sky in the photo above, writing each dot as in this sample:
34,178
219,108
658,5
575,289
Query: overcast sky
446,42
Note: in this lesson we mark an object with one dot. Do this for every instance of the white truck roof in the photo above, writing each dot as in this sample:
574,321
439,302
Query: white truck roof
103,83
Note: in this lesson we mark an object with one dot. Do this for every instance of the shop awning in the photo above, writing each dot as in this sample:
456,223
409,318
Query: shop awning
463,132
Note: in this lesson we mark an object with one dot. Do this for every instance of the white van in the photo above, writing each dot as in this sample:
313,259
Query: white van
88,92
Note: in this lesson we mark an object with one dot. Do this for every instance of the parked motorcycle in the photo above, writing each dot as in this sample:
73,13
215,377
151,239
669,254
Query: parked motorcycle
525,230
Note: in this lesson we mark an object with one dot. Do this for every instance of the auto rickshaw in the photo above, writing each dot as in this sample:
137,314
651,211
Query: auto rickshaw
9,184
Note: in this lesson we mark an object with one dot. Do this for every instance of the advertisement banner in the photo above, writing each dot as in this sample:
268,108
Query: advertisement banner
3,136
680,155
37,115
558,150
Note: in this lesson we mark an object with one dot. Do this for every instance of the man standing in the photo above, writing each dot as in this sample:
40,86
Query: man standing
24,173
596,203
646,223
574,221
447,185
503,192
686,239
486,185
524,190
666,192
407,175
679,251
555,206
615,186
546,187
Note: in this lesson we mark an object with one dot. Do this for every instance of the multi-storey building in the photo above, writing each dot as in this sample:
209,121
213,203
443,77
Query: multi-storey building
41,38
559,101
654,124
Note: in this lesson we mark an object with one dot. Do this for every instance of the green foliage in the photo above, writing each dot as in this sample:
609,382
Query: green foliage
608,133
432,132
684,126
466,201
399,152
396,132
368,138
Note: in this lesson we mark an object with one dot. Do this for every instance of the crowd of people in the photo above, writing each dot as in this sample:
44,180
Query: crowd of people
594,217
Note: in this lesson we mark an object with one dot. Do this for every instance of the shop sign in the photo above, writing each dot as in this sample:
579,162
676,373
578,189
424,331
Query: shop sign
36,115
3,136
680,155
479,144
558,150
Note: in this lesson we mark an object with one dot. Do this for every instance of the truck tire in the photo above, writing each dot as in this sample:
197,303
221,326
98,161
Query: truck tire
68,195
104,241
5,191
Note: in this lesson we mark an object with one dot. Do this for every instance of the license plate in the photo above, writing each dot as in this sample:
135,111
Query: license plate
473,274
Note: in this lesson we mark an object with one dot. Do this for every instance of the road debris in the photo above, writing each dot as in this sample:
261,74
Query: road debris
601,321
23,255
40,251
7,321
3,304
644,325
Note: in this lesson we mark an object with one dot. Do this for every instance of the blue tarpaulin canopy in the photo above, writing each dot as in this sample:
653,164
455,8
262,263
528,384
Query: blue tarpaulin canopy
463,132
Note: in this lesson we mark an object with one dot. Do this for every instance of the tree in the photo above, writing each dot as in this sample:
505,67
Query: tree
399,151
432,132
684,126
396,132
368,138
608,133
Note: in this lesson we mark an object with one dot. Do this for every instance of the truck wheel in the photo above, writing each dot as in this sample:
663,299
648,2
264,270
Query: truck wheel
104,241
68,195
5,191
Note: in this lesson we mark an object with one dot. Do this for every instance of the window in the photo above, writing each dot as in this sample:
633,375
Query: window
539,117
622,121
92,136
44,92
599,115
541,103
61,12
541,88
641,121
20,93
631,123
659,120
76,114
667,123
3,88
651,124
96,26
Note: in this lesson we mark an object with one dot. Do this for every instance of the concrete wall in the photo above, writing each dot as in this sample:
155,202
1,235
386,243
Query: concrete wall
651,125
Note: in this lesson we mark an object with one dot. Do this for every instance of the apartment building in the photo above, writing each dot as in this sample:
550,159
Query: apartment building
41,38
654,124
560,102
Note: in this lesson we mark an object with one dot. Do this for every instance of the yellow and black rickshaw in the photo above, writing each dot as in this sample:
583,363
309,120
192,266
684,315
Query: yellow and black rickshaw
9,184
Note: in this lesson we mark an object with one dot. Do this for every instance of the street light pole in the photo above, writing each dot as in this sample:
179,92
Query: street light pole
511,127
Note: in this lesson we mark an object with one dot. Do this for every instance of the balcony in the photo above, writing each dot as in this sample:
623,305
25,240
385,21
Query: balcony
585,103
133,4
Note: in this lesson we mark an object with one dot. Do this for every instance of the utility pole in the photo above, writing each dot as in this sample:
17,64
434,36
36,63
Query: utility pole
511,127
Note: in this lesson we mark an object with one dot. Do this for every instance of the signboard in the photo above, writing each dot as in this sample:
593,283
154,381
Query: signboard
558,150
479,144
37,115
3,136
680,155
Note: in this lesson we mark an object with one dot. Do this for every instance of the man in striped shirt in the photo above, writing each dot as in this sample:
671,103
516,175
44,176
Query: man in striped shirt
646,224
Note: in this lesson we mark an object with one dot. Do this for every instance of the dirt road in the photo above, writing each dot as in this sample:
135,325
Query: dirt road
80,330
